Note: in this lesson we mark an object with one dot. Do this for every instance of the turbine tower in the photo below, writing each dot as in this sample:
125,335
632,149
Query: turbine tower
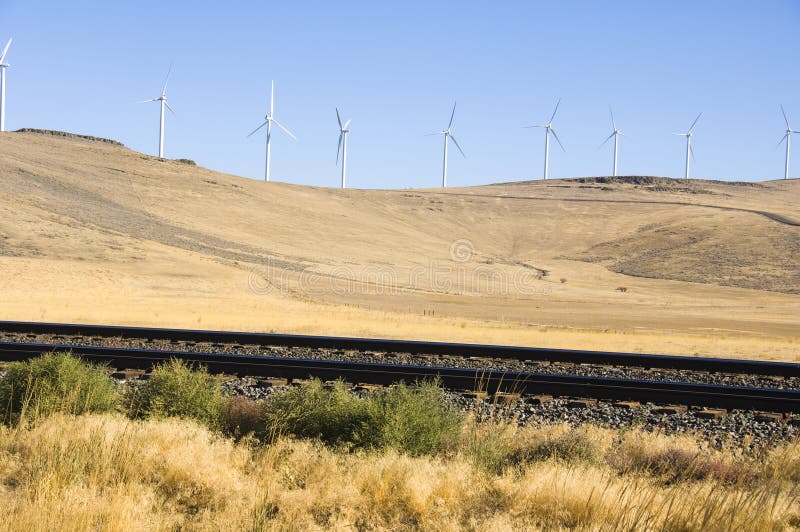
3,66
448,135
163,100
616,134
268,121
688,135
548,129
343,131
787,137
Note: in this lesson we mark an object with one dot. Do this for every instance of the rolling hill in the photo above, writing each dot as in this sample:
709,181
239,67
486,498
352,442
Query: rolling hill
92,231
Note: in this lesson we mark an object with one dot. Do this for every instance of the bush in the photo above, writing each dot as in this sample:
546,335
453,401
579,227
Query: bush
489,444
411,419
240,416
673,459
574,445
334,415
177,390
54,382
498,446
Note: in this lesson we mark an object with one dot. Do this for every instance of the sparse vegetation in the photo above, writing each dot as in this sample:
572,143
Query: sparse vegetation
176,390
108,472
397,458
54,382
411,419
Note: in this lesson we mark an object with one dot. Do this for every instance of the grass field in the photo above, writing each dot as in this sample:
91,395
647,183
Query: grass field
105,472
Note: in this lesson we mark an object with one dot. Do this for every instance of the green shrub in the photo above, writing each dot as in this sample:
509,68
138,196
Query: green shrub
333,415
176,390
489,444
54,382
412,419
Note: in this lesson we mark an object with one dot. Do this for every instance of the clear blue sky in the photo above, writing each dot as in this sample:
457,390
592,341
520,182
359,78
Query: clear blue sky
396,70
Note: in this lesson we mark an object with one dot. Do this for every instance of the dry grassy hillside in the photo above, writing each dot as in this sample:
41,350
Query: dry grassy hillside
92,231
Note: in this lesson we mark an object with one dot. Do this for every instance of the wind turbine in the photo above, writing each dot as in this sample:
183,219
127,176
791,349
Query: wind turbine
548,129
343,131
688,135
616,134
448,135
163,100
787,137
3,66
268,121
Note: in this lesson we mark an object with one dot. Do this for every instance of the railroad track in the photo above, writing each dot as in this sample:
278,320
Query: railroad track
525,383
651,361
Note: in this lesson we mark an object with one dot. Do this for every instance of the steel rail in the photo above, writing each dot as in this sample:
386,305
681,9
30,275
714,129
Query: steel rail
714,396
706,364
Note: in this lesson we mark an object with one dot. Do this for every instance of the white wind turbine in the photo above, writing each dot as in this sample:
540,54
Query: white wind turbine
616,134
448,135
548,129
787,137
343,131
3,66
268,121
689,150
163,100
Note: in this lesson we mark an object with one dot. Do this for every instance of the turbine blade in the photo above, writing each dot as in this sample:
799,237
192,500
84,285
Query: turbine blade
434,133
284,129
554,111
528,127
256,129
339,148
166,79
272,99
5,51
695,122
347,124
782,111
614,125
457,146
691,151
148,101
452,115
339,118
604,142
782,139
553,131
170,108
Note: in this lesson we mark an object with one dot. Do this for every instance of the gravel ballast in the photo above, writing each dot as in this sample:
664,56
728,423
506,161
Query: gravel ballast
589,370
734,428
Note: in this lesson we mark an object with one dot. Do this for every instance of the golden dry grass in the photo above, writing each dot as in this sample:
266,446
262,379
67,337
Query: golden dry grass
106,472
